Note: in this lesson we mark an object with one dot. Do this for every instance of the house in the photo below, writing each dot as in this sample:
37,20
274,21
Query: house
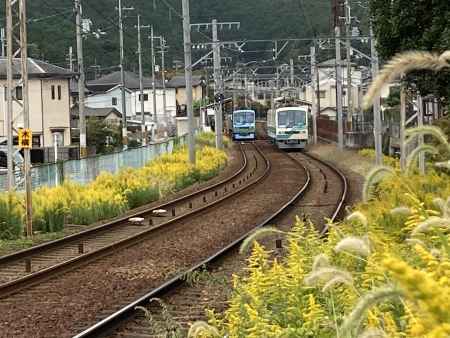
108,114
327,88
106,92
49,103
178,83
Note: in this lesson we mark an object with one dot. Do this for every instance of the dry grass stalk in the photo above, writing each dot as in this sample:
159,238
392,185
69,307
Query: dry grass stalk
404,63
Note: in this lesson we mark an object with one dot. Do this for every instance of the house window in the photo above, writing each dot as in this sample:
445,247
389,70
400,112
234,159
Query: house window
53,92
19,93
114,101
59,93
58,138
323,94
145,97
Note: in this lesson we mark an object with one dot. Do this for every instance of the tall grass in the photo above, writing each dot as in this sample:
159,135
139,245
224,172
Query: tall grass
109,195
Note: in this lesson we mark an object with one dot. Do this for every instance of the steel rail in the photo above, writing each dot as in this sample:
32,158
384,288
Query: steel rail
115,222
111,322
40,276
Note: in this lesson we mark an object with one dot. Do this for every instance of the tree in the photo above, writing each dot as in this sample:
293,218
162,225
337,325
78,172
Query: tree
402,25
103,136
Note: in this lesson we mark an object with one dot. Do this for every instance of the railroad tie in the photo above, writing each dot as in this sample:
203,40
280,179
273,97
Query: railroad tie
28,265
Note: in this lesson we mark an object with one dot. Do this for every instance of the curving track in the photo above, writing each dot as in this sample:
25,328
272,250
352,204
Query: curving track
34,265
187,301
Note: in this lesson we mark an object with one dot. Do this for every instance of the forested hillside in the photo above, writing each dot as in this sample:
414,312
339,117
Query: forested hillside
53,31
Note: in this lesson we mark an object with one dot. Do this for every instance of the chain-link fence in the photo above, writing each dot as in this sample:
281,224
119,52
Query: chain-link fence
86,170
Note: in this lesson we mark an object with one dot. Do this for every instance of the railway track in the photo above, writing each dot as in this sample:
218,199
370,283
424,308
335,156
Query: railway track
187,301
29,267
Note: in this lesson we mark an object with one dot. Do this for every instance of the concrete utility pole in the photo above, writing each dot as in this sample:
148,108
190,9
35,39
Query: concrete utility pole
141,83
81,80
421,139
245,90
235,103
292,72
71,67
188,75
16,10
9,95
218,86
377,128
339,89
348,28
163,47
122,77
155,113
402,127
3,40
314,72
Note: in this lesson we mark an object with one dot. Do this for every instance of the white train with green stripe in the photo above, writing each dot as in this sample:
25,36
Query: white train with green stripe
288,127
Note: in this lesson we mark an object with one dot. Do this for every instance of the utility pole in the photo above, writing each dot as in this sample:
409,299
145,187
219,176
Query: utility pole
292,72
235,103
81,80
3,40
16,10
421,139
339,89
163,78
314,72
378,132
155,113
245,90
71,59
9,94
122,78
218,80
348,27
402,127
141,83
188,75
218,85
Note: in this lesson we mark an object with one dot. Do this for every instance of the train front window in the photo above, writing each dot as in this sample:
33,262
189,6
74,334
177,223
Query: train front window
243,118
291,118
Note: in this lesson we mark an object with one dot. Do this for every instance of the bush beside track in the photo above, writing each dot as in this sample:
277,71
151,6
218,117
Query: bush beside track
109,195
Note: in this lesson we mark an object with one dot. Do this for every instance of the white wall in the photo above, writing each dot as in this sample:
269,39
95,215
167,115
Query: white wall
104,100
45,113
171,104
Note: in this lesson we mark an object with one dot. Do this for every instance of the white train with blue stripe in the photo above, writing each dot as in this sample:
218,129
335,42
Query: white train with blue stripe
288,127
244,125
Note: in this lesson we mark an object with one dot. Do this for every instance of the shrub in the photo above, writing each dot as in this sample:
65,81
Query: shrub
11,216
109,195
49,209
380,270
209,139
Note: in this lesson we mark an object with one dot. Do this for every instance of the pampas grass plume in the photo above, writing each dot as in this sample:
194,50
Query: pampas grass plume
404,63
404,211
260,233
374,176
353,320
358,216
202,327
354,245
320,261
432,222
337,280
